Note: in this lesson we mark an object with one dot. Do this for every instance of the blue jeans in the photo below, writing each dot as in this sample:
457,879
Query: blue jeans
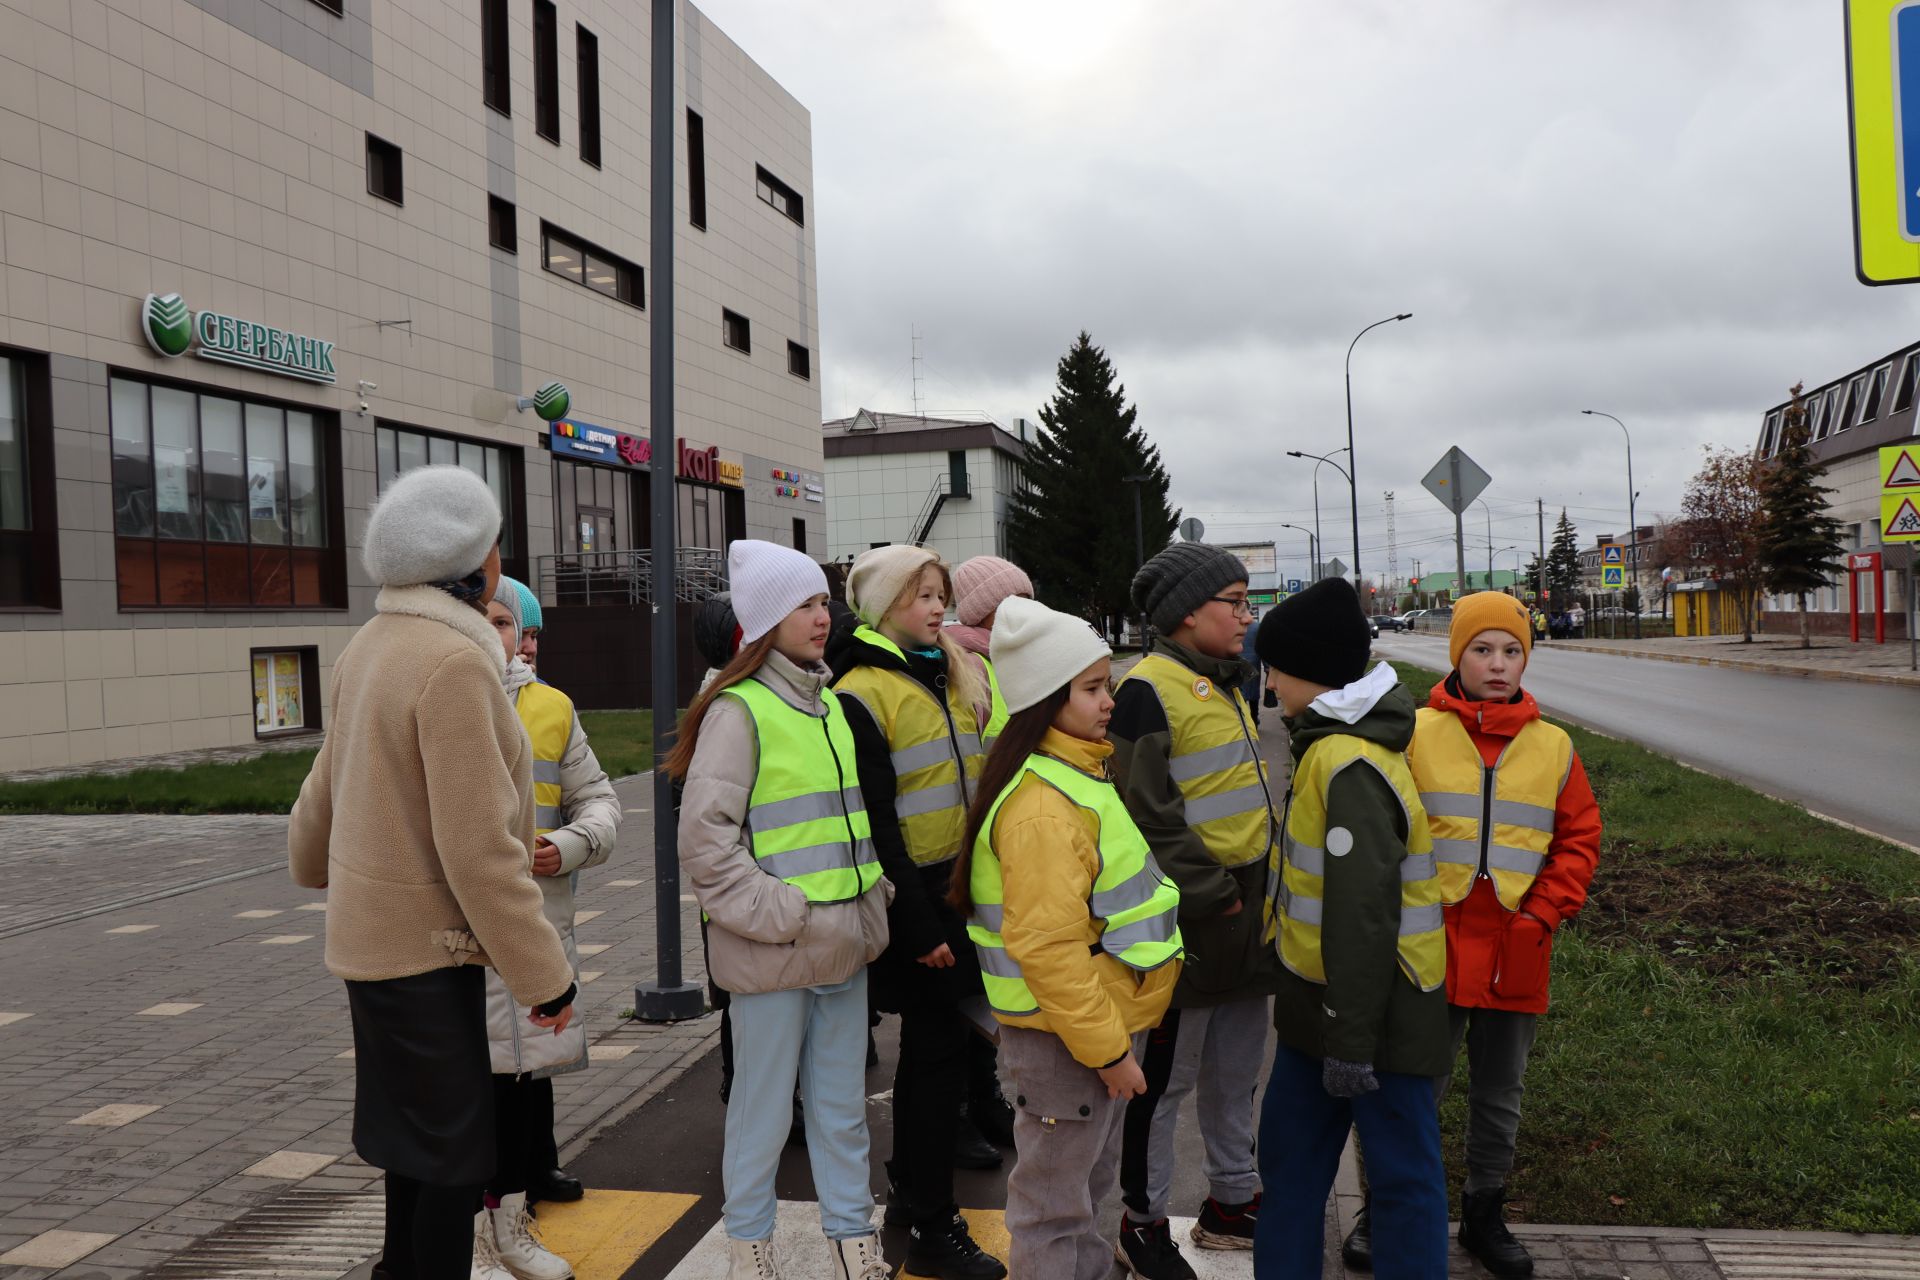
1302,1131
817,1035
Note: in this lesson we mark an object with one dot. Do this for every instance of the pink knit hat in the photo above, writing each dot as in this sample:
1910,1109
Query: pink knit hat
980,584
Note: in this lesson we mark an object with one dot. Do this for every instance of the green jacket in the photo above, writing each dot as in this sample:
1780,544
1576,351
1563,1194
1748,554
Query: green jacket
1368,1011
1227,959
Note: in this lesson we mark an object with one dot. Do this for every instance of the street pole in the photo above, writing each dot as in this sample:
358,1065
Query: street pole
668,999
1353,459
1489,514
1139,542
1317,460
1313,548
1459,529
1540,511
1633,533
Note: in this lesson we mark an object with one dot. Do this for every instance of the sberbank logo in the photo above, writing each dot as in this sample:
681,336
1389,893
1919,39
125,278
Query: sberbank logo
552,401
171,330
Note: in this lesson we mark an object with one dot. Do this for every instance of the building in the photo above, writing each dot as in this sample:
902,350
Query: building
942,483
1637,560
1443,584
262,257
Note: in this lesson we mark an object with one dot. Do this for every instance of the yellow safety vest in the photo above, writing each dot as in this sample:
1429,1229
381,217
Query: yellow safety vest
936,752
547,714
1216,762
1137,907
1497,820
1301,885
998,720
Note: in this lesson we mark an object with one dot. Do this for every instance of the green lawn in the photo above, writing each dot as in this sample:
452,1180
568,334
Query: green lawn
1735,1035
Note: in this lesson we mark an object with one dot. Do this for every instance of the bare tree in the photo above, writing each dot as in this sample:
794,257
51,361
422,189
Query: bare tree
1720,519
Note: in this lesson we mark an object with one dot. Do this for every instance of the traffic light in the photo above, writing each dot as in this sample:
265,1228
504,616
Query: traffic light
1413,582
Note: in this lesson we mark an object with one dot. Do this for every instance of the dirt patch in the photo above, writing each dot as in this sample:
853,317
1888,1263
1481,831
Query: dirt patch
1732,917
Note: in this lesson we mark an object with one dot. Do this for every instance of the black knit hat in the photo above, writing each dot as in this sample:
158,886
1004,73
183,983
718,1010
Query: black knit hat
1180,579
1318,635
715,630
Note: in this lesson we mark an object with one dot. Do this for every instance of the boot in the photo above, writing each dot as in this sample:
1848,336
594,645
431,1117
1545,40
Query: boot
858,1259
555,1186
970,1149
486,1258
946,1250
1484,1234
519,1251
751,1260
992,1115
1357,1249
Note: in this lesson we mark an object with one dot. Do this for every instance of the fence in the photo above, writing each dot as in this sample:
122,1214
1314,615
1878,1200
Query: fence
626,577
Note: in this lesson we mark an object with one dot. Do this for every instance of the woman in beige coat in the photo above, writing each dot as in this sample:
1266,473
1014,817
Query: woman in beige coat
418,820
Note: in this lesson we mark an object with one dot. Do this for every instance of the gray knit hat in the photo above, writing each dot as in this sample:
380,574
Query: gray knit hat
1180,579
433,524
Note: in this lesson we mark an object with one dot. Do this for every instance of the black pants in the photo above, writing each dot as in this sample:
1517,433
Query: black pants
429,1230
929,1084
523,1142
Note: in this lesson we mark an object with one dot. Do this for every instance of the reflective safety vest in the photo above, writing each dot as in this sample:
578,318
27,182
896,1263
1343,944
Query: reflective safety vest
1215,761
1137,907
806,823
936,752
547,714
1498,821
998,720
1302,860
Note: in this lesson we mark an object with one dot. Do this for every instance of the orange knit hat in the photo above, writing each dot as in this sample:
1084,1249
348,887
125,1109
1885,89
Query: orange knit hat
1488,611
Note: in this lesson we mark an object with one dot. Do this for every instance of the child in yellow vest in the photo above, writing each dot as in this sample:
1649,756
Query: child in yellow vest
1076,933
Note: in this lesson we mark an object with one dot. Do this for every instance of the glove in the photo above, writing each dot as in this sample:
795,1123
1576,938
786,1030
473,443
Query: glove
1347,1079
1271,700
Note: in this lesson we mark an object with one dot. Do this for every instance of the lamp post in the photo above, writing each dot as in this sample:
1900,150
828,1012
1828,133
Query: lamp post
1353,459
1633,533
1313,544
1489,513
1139,541
1317,460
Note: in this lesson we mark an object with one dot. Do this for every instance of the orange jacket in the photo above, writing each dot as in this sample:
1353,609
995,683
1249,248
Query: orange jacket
1498,959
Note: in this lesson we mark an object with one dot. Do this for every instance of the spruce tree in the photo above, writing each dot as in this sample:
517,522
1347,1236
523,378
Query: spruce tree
1563,563
1800,543
1072,527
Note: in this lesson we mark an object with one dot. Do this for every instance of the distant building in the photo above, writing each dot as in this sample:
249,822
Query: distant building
942,483
1639,561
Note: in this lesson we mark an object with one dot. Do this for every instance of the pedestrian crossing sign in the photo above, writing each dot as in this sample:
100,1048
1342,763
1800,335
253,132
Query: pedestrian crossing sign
1611,555
1613,578
1900,467
1899,518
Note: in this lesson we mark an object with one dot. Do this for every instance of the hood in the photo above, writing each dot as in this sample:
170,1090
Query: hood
972,639
1502,719
798,686
519,675
436,605
1387,720
1224,672
862,646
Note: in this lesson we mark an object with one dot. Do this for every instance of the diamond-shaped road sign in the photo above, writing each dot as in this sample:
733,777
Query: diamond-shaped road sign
1335,569
1456,480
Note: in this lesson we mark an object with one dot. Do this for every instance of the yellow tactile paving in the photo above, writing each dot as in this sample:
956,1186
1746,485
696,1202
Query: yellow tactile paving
606,1232
989,1228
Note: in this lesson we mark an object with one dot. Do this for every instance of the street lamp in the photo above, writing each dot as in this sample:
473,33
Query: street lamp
1353,492
1317,460
1313,545
1633,532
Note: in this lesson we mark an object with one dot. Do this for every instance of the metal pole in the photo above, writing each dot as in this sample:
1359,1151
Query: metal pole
1353,459
1315,575
1489,514
1139,543
1633,534
1540,510
668,999
1913,607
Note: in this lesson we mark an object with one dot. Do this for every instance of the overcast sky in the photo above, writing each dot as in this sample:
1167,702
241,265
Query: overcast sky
1636,207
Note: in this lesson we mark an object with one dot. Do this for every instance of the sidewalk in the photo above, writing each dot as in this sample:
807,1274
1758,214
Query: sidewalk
1830,658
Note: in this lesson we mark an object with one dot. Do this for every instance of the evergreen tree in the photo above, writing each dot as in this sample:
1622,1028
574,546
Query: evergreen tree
1530,578
1800,543
1071,526
1563,563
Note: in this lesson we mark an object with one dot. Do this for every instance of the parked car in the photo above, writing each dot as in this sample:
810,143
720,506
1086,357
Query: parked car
1385,622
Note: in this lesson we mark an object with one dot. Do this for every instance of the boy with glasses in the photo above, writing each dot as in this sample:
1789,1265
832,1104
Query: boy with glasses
1186,757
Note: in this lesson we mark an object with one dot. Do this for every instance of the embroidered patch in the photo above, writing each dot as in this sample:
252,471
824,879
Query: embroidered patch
1203,689
1339,842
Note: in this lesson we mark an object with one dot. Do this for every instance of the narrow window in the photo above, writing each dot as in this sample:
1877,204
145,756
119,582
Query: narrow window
335,7
546,70
735,330
1876,394
799,361
799,533
588,46
1909,374
502,225
779,195
958,483
1770,434
383,170
494,71
1855,402
696,170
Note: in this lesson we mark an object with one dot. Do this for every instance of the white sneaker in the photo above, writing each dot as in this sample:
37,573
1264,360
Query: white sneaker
486,1258
751,1260
520,1252
859,1259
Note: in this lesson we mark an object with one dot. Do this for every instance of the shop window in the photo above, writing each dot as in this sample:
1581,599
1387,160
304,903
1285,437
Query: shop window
286,685
546,70
586,264
779,195
398,450
29,546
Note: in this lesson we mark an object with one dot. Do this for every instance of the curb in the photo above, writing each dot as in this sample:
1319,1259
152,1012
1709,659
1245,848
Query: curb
1736,664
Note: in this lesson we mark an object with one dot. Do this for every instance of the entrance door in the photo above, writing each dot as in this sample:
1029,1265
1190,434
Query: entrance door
596,529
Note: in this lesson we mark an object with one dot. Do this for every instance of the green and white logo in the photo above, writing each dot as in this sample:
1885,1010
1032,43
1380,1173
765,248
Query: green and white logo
552,401
168,324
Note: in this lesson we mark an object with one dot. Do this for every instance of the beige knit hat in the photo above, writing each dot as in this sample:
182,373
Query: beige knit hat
1037,650
879,576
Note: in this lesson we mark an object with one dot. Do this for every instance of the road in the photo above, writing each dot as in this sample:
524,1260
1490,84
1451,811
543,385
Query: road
1843,749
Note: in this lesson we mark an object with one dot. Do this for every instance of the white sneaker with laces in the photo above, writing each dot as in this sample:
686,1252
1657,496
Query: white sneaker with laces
751,1260
486,1258
859,1259
520,1251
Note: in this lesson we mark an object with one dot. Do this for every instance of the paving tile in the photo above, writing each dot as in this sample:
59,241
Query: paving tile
311,906
258,913
608,1052
289,1165
588,975
623,884
594,948
115,1115
134,928
172,1010
56,1249
8,1019
285,939
581,917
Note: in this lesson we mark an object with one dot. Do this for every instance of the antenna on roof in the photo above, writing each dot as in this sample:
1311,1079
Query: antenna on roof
916,372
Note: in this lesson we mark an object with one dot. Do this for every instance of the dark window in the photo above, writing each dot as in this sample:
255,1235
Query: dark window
799,534
1870,408
588,45
957,482
1909,375
546,70
582,263
383,170
502,225
335,7
398,450
735,330
799,361
780,195
29,546
494,65
696,170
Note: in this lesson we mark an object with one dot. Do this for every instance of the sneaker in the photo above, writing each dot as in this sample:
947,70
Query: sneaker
1484,1234
486,1258
1226,1226
518,1249
1148,1252
751,1260
858,1259
946,1250
1357,1249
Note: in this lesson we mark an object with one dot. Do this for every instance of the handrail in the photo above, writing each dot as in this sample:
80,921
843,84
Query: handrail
626,577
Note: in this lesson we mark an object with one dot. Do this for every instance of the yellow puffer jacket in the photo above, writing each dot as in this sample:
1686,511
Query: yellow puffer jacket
1048,862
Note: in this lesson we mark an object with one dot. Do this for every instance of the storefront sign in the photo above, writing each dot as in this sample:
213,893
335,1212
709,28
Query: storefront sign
571,438
707,466
788,483
171,330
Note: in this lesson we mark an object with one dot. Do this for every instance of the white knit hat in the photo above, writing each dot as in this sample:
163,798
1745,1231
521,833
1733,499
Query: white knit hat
433,524
880,574
1037,650
769,582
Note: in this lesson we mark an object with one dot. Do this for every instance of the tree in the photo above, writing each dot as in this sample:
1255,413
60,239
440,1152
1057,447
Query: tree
1720,516
1799,541
1563,563
1530,578
1071,525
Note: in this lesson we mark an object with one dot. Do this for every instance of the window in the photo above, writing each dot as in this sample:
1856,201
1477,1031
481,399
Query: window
1909,373
220,503
14,487
1852,406
282,681
29,549
1830,409
546,70
696,170
1770,434
799,361
335,7
398,450
383,170
1876,394
582,263
502,225
495,71
779,195
588,46
735,330
959,484
596,508
799,534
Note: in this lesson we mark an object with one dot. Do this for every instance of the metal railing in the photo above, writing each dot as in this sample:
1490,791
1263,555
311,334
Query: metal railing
626,577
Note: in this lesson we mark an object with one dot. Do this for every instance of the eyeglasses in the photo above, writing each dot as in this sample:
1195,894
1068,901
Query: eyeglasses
1241,606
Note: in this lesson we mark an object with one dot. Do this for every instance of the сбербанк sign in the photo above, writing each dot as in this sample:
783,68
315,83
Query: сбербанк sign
171,330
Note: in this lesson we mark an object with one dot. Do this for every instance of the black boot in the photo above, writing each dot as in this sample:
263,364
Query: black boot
1484,1234
970,1150
944,1248
992,1115
555,1186
1357,1249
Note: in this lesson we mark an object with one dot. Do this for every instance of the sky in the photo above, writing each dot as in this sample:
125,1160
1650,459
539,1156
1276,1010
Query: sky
1641,208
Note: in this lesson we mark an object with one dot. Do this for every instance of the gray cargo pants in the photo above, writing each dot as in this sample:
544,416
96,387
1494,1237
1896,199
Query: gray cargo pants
1221,1051
1498,1042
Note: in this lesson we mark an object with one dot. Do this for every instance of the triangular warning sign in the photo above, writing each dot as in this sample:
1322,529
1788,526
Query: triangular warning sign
1905,522
1905,473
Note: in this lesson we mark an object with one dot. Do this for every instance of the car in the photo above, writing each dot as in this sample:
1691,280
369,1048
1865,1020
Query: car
1410,620
1385,622
1373,628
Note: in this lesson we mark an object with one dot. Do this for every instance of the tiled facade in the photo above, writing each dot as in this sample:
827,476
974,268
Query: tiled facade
219,149
880,493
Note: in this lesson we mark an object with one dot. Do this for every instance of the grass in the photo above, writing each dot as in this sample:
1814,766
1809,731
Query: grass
1735,1033
622,740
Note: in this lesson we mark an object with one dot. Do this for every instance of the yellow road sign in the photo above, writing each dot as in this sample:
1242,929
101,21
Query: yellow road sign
1899,518
1611,554
1883,115
1900,467
1613,578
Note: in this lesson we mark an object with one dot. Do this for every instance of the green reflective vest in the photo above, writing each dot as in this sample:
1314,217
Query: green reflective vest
1001,715
1137,907
1215,762
806,823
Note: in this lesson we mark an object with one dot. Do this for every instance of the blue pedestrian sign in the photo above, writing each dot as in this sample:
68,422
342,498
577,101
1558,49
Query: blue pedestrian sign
1906,114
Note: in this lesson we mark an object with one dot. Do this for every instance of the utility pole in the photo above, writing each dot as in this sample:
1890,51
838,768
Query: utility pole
1540,513
1393,554
1139,541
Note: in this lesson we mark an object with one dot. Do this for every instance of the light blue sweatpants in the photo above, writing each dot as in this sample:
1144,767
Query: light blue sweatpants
817,1035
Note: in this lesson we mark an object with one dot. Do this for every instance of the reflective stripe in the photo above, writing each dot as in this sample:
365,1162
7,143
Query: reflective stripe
1309,859
546,771
989,916
1463,852
1425,919
1135,891
1152,929
808,808
1228,804
1302,910
912,804
1503,857
1448,804
996,962
969,744
546,817
1514,813
1418,866
1213,760
924,756
833,856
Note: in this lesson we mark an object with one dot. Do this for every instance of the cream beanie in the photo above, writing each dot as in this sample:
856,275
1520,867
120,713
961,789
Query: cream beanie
1037,650
879,576
433,524
769,582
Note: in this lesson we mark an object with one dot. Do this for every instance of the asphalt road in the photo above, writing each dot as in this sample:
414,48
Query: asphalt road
1842,749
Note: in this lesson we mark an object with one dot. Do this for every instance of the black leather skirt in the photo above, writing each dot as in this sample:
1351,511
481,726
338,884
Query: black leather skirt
423,1085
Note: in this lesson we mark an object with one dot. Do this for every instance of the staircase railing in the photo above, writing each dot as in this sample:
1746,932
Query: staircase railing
626,577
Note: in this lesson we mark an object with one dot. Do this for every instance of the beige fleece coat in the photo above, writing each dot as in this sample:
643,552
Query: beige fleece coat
418,815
